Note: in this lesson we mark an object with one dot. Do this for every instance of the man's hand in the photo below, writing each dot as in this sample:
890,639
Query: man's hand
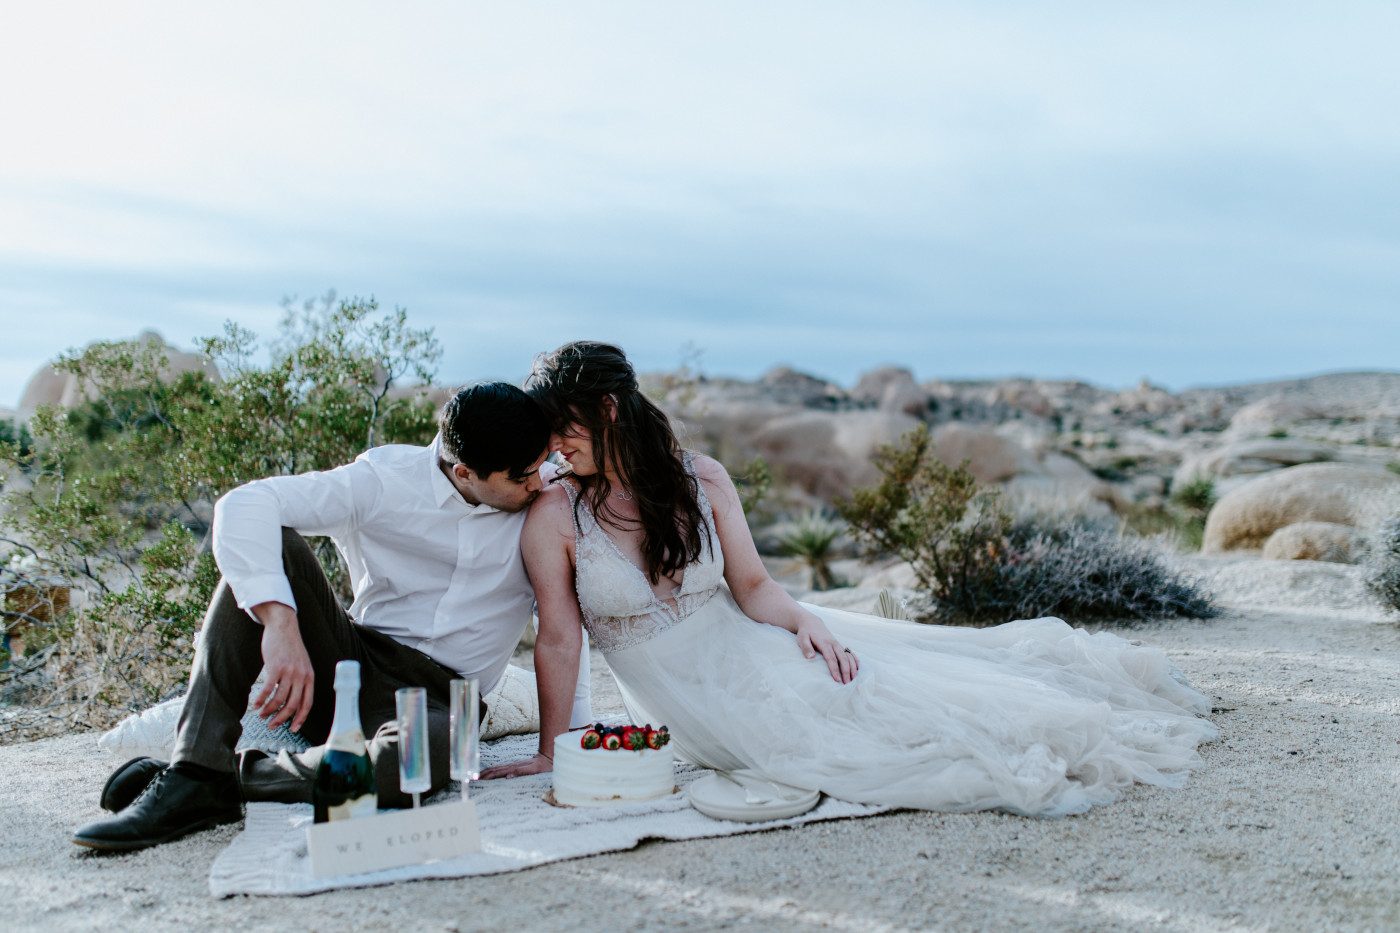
289,689
536,765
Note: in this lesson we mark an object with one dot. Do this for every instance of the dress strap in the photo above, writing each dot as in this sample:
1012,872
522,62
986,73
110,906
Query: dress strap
706,511
571,489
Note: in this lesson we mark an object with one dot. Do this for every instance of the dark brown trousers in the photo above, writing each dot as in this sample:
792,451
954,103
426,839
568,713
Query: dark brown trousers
229,660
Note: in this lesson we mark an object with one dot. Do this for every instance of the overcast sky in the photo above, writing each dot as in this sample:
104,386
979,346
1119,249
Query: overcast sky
1191,192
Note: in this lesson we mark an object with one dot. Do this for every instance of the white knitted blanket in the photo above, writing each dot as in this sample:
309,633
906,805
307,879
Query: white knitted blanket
518,830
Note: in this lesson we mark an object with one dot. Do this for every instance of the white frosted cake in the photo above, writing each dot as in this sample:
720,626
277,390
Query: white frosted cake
603,765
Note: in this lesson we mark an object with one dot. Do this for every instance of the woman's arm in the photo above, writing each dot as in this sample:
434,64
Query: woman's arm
547,544
757,594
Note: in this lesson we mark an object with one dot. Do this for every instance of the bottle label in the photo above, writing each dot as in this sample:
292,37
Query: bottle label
366,805
352,741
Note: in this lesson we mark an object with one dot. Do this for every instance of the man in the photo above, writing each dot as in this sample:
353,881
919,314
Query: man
431,538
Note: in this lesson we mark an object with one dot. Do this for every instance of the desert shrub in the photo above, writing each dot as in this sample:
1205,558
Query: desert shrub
1382,571
1196,494
111,500
323,398
981,567
938,518
1087,571
753,481
15,436
1182,519
1117,469
811,541
130,648
1181,528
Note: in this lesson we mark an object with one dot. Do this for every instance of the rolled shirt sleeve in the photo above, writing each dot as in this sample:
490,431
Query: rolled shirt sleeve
248,524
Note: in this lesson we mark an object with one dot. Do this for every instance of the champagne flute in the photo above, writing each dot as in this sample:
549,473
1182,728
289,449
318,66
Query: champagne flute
464,715
415,771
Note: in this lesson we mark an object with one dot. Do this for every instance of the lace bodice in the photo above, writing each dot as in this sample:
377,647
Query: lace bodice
619,607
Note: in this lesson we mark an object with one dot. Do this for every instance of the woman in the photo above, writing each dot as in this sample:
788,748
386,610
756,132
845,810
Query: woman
647,547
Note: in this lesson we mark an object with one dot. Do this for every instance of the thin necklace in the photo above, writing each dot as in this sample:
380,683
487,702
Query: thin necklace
624,496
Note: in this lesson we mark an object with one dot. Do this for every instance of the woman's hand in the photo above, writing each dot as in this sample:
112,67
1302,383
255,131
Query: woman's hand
814,638
539,764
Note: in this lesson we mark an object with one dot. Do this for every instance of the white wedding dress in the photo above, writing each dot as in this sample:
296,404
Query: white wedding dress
1030,717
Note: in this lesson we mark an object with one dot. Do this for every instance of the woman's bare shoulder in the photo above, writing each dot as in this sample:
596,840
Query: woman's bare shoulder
710,470
551,510
718,484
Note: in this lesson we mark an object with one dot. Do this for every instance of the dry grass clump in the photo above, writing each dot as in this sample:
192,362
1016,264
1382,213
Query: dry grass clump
90,667
1183,518
96,674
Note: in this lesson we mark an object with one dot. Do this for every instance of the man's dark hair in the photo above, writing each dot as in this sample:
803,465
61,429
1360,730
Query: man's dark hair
493,426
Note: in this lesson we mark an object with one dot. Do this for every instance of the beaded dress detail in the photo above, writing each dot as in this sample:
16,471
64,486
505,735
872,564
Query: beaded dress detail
619,607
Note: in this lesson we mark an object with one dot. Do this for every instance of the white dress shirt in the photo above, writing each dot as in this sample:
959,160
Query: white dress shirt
427,568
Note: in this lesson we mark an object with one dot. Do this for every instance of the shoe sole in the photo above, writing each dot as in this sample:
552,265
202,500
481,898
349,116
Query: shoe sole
107,845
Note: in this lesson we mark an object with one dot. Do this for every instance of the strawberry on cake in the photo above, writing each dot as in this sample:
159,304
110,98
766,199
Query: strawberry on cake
603,765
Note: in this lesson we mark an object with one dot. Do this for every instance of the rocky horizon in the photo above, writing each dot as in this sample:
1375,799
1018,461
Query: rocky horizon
1061,446
788,382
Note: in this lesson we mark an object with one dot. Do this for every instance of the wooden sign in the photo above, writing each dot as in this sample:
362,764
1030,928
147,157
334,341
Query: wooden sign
392,839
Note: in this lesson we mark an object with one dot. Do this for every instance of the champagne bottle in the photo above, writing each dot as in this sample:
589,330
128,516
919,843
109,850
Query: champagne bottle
343,787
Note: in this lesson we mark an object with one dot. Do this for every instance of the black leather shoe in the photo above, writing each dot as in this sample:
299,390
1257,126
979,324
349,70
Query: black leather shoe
127,783
172,805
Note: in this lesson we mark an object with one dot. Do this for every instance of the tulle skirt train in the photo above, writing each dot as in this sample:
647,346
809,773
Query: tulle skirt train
1031,717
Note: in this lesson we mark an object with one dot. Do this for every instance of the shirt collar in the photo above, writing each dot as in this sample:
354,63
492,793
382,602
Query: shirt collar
443,490
442,487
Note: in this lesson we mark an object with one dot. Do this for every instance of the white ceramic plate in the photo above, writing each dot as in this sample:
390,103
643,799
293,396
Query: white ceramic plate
720,798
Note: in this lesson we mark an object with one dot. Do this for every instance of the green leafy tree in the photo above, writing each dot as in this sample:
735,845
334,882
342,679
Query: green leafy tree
325,396
112,498
15,436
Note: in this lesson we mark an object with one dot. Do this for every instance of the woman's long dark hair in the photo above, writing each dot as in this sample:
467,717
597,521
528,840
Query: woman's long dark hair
573,385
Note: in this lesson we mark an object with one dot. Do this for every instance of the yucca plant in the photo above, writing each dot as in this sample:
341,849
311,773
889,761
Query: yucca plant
891,608
811,540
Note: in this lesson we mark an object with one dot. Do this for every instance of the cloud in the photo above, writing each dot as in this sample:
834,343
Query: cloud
1190,192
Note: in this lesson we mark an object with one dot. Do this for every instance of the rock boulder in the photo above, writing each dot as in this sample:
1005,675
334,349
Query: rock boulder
828,453
1247,457
1338,544
1268,414
890,388
50,387
1338,493
993,457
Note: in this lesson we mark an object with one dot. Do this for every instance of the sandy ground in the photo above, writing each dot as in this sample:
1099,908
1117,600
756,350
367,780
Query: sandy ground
1292,824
